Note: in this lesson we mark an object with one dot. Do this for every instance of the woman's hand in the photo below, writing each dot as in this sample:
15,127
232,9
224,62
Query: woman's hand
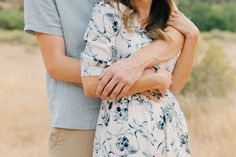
117,79
156,94
180,22
151,94
183,67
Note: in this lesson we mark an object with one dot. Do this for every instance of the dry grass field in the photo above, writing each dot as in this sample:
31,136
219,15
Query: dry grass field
25,121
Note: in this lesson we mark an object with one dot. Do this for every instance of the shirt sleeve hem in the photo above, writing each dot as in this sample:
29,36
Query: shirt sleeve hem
32,29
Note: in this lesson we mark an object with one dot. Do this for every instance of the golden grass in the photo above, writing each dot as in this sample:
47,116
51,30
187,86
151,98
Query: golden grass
211,125
23,112
25,120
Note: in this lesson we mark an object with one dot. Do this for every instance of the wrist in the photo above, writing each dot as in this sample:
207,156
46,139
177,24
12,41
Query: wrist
142,61
193,35
135,62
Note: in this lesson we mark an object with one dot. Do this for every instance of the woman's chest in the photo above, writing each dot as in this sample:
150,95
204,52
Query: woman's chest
129,42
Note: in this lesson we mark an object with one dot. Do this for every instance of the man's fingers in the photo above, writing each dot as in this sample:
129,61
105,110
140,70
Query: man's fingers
104,81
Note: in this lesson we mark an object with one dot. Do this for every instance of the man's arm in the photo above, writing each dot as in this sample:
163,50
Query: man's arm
58,65
42,16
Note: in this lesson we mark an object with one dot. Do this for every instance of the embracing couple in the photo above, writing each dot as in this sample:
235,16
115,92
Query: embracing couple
113,68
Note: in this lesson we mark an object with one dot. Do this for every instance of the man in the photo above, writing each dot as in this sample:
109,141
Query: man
59,27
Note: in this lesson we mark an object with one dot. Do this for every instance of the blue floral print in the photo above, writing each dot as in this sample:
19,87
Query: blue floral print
132,126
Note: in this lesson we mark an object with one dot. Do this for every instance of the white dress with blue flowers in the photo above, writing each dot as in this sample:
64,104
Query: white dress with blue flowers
132,126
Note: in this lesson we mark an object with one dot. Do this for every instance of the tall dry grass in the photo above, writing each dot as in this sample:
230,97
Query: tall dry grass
25,121
23,112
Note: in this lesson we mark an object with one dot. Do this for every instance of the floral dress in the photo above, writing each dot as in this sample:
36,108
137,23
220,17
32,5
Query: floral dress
132,126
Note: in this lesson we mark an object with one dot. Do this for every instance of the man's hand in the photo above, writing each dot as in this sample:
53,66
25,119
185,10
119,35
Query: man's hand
116,80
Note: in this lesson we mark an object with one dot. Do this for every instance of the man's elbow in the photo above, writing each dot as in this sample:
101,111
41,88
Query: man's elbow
87,92
89,87
53,71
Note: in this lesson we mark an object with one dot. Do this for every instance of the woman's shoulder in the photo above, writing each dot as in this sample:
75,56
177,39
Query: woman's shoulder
105,7
106,15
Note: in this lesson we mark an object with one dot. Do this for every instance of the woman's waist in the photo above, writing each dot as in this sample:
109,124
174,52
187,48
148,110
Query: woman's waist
168,97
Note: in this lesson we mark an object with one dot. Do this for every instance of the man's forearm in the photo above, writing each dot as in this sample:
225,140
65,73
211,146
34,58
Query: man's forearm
58,65
65,69
147,82
184,64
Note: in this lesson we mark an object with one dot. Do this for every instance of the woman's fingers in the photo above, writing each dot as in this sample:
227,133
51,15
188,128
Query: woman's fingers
117,90
103,73
150,96
171,23
103,83
125,89
109,88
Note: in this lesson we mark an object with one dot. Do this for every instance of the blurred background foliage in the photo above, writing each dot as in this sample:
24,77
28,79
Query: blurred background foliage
206,14
210,14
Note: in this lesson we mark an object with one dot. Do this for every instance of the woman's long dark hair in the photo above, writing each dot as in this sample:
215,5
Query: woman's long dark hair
158,17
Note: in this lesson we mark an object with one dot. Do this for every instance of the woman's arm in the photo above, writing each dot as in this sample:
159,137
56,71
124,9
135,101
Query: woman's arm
58,65
160,80
122,75
99,50
184,64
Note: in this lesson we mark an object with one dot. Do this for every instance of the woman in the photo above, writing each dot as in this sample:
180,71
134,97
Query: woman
134,125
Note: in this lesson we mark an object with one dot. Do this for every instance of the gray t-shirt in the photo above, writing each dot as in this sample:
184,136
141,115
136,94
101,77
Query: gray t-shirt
68,18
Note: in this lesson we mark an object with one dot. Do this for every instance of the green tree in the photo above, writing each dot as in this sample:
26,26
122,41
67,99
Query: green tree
11,19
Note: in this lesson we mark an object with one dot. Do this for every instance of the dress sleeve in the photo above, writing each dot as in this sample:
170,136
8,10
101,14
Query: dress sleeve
42,16
100,36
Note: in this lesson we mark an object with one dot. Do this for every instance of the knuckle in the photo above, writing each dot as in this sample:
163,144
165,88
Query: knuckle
112,70
102,84
114,93
124,81
118,76
129,83
133,80
106,91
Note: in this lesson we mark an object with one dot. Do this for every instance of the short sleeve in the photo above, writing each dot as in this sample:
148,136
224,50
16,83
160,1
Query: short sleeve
42,16
100,36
